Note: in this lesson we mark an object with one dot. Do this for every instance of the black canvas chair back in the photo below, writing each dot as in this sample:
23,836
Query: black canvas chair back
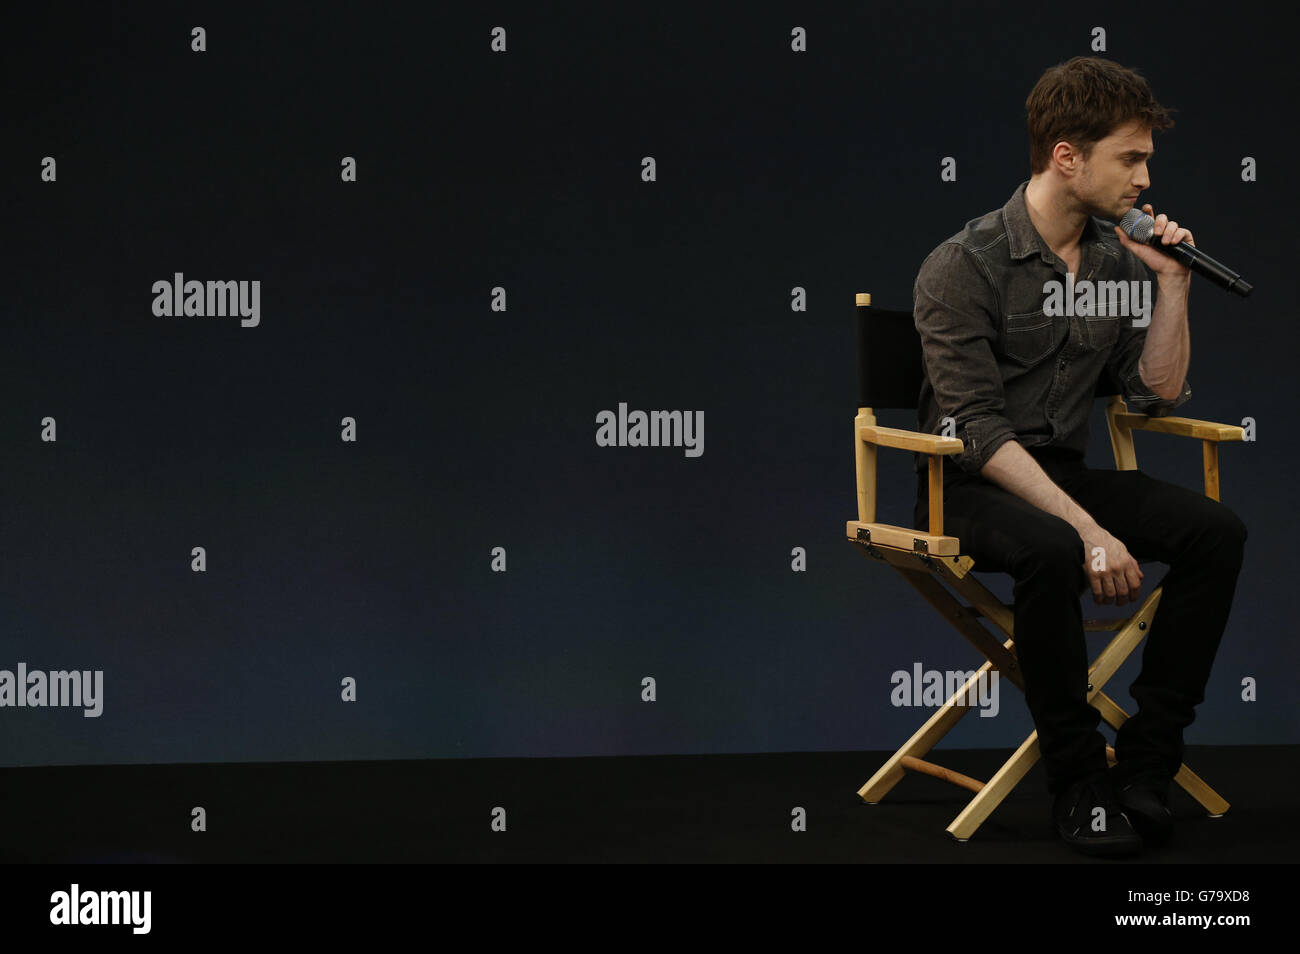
891,363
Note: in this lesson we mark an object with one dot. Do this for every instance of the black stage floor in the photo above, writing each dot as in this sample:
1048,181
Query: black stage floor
650,809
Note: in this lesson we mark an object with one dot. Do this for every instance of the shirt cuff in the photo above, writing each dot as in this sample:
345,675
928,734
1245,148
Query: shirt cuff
981,437
1140,399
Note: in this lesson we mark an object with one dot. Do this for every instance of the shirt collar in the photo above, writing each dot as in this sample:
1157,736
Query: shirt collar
1023,239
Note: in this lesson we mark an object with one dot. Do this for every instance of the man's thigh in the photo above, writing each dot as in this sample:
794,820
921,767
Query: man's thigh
998,529
1154,519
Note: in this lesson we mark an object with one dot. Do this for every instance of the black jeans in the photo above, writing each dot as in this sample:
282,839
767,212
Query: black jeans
1200,539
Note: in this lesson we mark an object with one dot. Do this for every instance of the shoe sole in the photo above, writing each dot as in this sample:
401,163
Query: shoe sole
1102,847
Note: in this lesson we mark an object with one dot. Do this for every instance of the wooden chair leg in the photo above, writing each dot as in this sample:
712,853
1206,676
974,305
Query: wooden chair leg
995,790
925,738
1123,643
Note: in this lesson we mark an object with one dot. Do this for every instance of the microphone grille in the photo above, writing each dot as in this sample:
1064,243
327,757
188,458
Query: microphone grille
1137,225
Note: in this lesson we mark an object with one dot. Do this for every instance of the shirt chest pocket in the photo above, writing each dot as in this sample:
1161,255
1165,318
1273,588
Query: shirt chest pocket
1028,339
1102,331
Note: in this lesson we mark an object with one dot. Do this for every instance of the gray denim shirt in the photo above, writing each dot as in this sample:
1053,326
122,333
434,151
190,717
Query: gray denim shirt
1000,366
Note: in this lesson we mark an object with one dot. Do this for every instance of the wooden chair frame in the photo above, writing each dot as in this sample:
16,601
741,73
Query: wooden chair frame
925,559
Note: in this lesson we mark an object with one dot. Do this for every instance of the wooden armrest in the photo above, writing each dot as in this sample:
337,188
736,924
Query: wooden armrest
902,538
1182,426
912,440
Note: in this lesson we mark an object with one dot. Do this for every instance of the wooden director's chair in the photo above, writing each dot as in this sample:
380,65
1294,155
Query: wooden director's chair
890,374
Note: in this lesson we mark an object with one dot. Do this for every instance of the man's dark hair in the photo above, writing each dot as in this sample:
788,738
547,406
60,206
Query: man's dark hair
1083,101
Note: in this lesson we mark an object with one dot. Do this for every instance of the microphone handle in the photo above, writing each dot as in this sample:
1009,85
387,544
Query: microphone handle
1203,264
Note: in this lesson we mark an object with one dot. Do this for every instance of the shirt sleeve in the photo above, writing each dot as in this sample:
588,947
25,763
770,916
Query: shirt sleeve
1123,361
953,310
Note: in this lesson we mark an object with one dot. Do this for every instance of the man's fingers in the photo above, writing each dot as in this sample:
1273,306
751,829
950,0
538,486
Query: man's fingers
1134,580
1168,230
1121,589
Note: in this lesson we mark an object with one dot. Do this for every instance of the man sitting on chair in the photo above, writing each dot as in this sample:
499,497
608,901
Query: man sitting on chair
1016,382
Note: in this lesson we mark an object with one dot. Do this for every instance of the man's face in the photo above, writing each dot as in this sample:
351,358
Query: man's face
1111,178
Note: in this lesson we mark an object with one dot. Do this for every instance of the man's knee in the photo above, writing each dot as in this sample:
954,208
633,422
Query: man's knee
1233,527
1223,533
1055,555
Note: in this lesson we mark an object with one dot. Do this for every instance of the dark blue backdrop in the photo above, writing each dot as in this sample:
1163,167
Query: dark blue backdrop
477,428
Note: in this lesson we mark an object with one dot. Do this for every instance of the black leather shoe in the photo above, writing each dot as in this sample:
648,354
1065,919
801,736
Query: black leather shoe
1107,833
1144,796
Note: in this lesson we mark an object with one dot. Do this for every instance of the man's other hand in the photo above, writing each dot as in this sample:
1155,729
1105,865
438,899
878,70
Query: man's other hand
1114,574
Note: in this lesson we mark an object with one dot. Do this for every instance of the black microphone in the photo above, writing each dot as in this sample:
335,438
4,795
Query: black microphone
1140,227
